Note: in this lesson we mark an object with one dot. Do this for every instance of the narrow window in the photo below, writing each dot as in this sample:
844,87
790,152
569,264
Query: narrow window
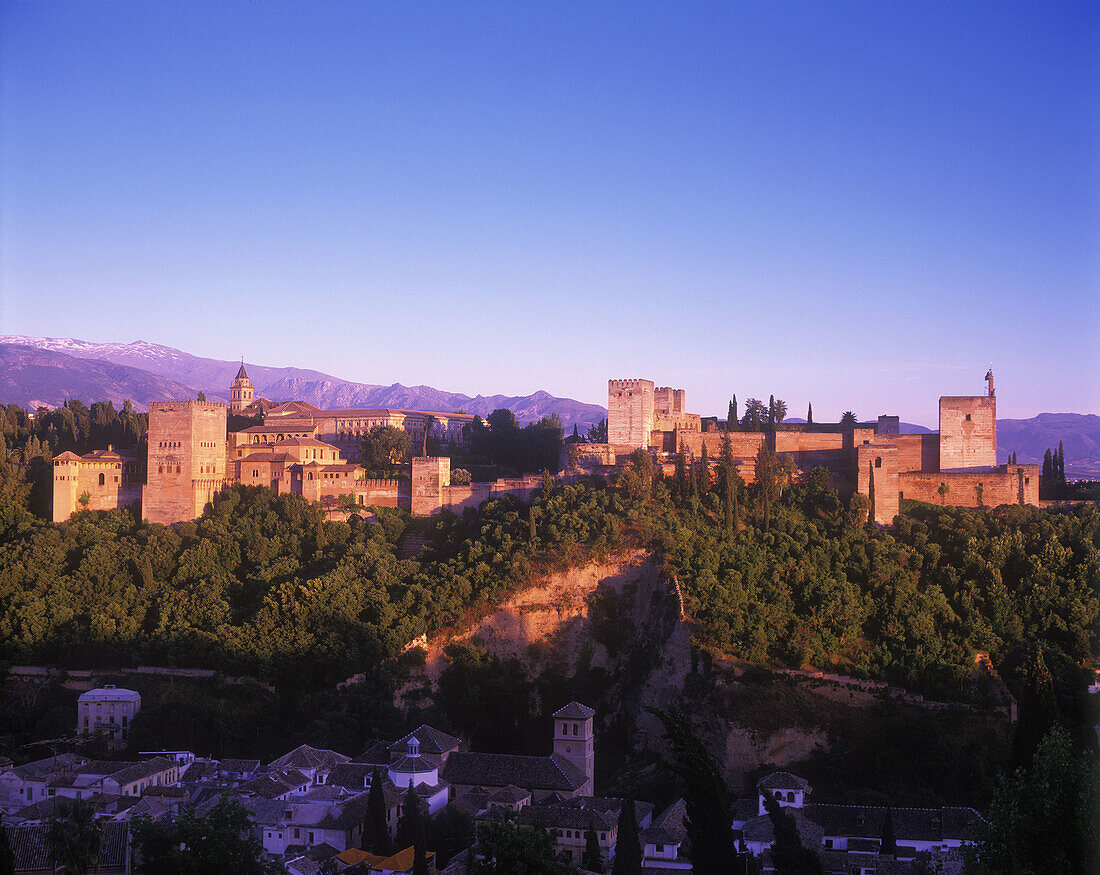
102,480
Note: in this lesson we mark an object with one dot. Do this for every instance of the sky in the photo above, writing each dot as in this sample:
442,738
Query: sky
859,205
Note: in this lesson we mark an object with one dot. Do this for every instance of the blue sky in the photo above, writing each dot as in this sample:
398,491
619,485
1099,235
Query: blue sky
860,205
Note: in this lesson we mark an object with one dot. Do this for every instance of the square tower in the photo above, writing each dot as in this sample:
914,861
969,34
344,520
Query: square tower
430,474
187,456
968,432
630,407
574,740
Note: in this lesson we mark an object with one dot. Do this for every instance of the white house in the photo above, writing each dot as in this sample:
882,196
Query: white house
108,708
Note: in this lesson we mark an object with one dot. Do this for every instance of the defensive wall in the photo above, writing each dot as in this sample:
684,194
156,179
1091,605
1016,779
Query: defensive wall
956,466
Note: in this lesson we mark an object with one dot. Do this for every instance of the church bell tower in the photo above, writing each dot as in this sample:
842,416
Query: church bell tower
241,392
574,740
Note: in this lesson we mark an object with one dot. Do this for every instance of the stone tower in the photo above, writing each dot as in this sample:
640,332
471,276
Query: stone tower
574,740
241,392
630,409
186,459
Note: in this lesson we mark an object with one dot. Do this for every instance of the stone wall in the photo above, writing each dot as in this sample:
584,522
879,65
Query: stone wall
187,459
882,464
968,432
630,412
1008,484
109,483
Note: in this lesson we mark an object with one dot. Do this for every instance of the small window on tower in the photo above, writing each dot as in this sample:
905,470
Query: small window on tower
968,417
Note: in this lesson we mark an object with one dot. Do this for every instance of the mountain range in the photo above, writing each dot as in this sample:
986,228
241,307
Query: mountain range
45,371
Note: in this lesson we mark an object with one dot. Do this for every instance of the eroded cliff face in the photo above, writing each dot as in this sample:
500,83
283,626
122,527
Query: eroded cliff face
624,617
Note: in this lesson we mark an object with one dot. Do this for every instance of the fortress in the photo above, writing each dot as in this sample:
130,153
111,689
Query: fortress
314,453
297,449
956,466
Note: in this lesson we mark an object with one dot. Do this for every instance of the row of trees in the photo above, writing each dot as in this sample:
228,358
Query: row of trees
758,416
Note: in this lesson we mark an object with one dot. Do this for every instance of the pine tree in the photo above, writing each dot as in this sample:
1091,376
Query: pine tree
889,844
810,414
376,835
592,860
628,850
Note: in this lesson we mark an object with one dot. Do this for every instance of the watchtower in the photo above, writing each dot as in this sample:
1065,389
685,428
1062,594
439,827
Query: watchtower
241,393
186,459
574,740
630,407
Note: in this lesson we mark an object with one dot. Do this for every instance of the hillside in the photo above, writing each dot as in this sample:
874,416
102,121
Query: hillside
1030,439
325,391
35,378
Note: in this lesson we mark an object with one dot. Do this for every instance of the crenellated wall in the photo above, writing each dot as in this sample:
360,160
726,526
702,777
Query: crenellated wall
1008,484
630,410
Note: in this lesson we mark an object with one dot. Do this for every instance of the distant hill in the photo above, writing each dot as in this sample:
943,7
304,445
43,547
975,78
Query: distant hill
35,378
177,368
1030,438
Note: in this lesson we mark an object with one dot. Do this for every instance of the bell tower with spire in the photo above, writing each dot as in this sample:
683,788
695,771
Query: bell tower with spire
241,392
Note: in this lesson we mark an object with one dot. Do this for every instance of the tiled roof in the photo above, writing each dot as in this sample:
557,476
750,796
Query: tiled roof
354,776
668,827
581,812
31,849
241,766
498,770
782,781
137,771
760,829
110,694
574,711
413,765
510,795
432,741
38,768
910,824
306,757
377,754
242,374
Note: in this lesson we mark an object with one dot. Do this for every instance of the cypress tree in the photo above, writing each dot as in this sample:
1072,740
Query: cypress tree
376,835
1038,707
810,414
706,796
889,844
592,860
1061,463
788,853
1048,468
871,492
408,823
7,856
771,410
732,421
704,470
628,850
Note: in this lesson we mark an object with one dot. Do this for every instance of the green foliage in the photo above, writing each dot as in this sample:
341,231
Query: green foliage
1043,817
222,841
383,448
848,419
597,434
505,848
376,835
514,450
74,837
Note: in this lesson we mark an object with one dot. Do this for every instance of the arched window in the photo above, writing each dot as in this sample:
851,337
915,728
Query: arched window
102,480
878,461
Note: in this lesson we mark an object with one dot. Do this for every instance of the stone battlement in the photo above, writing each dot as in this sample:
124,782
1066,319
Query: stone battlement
168,406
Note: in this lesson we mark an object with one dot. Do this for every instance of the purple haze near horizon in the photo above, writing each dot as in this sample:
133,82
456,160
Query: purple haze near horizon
858,205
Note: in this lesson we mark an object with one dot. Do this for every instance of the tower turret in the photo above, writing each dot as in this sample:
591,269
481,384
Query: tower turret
574,740
241,392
